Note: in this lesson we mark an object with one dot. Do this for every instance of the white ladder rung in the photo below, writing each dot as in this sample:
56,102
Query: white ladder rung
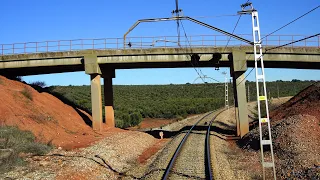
267,164
266,142
264,120
262,98
260,77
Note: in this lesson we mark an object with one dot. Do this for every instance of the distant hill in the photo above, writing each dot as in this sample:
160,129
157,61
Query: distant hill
134,102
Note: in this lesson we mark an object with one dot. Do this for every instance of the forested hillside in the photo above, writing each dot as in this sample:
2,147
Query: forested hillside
134,102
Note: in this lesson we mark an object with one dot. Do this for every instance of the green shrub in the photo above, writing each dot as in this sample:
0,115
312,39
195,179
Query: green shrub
167,101
119,123
41,84
27,93
19,141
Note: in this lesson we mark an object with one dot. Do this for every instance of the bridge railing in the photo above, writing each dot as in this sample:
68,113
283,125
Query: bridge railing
150,42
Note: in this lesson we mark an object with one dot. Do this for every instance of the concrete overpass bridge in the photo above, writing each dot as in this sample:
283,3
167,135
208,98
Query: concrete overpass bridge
100,57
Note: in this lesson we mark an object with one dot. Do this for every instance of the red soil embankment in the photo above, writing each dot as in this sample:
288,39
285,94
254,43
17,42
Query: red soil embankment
47,117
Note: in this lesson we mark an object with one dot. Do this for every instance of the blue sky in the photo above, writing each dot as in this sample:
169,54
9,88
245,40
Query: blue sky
38,20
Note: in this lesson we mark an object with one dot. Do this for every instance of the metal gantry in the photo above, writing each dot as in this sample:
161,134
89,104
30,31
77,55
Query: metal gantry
264,120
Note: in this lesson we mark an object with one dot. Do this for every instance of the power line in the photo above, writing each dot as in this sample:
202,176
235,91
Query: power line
293,42
291,22
185,34
277,48
232,32
286,26
245,77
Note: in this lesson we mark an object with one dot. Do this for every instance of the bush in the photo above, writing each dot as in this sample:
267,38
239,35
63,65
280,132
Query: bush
19,141
41,84
119,123
27,93
166,101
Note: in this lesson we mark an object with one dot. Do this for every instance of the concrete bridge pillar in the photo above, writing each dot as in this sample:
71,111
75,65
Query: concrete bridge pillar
237,70
92,68
108,97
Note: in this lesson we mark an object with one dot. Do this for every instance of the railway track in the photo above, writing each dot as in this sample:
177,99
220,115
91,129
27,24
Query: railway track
191,159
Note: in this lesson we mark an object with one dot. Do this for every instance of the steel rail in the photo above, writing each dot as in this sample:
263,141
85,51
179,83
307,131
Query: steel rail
207,149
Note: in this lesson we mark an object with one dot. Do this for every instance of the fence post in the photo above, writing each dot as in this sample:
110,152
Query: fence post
305,42
202,41
82,44
292,41
12,48
215,40
2,49
92,43
36,47
266,40
153,42
24,47
47,46
118,44
58,45
105,43
140,42
318,42
165,41
279,40
70,45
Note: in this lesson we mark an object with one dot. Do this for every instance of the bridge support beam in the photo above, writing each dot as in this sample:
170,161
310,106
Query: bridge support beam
238,68
108,97
96,102
92,68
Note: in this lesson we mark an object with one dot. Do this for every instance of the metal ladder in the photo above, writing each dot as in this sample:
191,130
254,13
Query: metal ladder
226,95
264,122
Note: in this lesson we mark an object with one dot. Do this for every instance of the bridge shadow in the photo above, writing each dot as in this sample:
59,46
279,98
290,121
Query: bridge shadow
83,112
170,134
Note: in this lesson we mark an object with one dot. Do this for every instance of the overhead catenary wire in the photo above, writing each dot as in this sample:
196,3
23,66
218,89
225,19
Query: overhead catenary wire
291,22
287,43
232,33
185,34
318,34
177,11
293,42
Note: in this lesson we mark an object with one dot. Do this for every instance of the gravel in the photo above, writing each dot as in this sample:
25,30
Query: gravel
109,158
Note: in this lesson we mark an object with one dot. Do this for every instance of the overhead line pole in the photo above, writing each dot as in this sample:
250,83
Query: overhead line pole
264,119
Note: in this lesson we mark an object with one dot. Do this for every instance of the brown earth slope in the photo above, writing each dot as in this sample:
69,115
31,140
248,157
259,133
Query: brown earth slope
305,102
296,136
47,117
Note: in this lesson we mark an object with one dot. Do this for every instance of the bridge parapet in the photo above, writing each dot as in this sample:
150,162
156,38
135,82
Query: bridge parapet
194,41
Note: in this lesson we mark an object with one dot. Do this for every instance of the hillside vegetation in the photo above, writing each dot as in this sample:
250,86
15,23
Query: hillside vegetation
134,102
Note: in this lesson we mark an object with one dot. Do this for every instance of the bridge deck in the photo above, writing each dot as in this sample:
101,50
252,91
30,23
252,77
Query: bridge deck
26,62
